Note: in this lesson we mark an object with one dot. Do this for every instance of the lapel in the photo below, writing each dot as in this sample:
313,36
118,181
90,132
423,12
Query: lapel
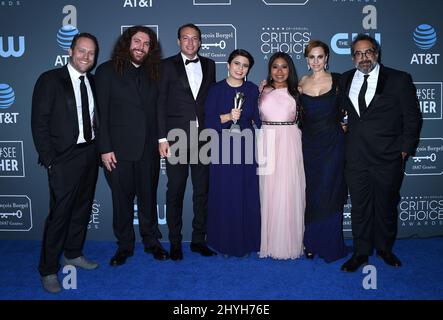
96,118
381,82
348,83
204,64
181,71
69,94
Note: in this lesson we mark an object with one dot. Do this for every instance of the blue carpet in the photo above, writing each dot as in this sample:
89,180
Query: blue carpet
215,278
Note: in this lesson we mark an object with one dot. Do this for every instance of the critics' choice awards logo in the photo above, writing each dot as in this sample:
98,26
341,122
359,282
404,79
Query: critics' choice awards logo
425,38
15,213
12,46
11,159
429,96
291,40
341,42
137,3
424,211
66,33
7,99
218,40
428,160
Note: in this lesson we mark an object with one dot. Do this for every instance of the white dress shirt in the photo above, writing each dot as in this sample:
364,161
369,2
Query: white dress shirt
74,74
357,82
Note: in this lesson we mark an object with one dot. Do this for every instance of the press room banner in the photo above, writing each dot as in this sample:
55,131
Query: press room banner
35,36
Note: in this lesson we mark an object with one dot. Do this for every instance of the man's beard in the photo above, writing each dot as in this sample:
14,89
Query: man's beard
366,66
136,60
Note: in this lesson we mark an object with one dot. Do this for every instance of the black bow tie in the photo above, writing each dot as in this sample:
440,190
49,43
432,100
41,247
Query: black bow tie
191,61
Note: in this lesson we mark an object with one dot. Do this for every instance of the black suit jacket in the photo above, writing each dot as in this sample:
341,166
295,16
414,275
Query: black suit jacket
176,104
128,116
54,120
391,123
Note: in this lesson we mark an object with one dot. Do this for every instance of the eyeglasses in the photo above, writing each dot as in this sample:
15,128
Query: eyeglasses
370,53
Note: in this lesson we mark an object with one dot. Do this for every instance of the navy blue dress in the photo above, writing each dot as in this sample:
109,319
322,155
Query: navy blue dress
233,199
324,159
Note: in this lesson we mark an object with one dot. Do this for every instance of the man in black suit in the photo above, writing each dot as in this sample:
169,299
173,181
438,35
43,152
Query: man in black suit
184,84
127,96
63,123
384,126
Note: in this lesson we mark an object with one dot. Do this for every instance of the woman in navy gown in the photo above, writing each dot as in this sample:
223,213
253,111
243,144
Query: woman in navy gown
233,200
323,155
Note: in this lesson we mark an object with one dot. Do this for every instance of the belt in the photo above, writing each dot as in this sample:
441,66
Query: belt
273,123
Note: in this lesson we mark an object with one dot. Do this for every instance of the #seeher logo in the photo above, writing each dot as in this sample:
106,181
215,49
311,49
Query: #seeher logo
425,36
7,96
65,35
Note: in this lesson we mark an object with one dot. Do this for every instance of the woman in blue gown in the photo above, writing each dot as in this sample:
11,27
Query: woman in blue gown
233,200
323,155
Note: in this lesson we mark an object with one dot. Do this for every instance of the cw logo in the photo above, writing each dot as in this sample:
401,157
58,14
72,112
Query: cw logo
9,50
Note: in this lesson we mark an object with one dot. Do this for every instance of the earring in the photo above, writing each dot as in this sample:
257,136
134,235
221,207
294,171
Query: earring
309,67
326,66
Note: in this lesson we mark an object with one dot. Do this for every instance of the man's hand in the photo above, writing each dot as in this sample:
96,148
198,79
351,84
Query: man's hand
163,149
109,160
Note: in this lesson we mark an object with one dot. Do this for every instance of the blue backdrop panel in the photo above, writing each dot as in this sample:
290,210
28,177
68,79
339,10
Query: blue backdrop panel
35,35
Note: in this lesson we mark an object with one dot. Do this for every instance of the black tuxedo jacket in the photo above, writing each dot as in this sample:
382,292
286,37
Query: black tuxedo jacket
391,123
128,116
54,120
176,104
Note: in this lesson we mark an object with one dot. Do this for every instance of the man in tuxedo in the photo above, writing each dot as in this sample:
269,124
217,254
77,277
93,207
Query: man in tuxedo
63,128
127,139
184,83
383,129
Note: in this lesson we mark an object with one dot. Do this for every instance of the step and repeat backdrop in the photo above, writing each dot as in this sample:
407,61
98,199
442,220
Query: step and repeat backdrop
35,35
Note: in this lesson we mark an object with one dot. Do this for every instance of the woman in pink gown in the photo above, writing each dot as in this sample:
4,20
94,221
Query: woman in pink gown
282,176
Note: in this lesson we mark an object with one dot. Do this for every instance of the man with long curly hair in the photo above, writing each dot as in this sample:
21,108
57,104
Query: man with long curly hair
127,95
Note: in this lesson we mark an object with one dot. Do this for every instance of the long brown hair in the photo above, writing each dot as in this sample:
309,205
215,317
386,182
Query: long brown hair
121,56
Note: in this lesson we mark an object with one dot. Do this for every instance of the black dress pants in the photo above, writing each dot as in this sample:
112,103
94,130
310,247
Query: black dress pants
375,193
72,179
133,179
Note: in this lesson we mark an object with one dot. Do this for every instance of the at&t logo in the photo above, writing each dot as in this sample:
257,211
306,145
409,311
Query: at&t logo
12,49
425,37
66,33
137,4
7,99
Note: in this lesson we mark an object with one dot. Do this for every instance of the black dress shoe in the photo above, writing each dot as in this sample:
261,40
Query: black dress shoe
202,249
120,258
158,252
176,252
389,258
354,263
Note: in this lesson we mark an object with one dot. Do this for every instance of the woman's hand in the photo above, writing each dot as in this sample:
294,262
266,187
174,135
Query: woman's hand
235,114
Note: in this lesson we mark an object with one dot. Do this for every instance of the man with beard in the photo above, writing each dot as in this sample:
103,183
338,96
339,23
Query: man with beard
383,129
127,139
63,123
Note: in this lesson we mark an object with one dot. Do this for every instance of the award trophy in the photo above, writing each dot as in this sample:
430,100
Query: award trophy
239,99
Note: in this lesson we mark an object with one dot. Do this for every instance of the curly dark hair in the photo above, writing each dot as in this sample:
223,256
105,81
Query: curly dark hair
121,55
